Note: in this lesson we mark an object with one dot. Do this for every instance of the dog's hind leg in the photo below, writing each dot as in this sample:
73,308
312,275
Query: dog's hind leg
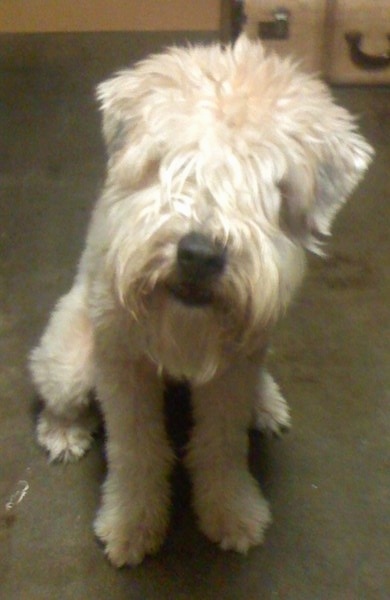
271,413
62,369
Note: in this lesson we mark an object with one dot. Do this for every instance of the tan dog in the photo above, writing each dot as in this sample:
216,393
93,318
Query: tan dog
224,165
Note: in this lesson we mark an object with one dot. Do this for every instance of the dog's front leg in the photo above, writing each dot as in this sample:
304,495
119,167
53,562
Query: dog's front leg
134,514
227,499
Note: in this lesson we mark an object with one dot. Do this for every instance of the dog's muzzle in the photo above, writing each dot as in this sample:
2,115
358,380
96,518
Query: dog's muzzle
200,262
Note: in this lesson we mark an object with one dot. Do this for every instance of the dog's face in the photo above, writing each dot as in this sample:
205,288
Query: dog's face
223,166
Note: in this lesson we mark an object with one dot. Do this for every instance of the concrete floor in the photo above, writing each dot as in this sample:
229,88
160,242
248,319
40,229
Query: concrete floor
328,481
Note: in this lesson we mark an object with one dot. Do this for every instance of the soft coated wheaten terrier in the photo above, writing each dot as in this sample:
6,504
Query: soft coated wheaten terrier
224,165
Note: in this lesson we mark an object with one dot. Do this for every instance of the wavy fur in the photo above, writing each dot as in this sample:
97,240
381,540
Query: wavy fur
254,155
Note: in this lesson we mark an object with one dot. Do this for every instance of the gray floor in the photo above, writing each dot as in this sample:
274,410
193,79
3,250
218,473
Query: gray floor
328,481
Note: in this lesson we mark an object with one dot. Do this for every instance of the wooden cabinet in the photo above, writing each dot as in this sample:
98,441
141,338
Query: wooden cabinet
347,41
33,16
314,31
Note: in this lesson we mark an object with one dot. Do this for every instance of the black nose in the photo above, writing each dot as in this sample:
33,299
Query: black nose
199,257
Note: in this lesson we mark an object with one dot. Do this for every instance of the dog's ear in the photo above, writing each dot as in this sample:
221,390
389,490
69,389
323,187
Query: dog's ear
129,144
326,158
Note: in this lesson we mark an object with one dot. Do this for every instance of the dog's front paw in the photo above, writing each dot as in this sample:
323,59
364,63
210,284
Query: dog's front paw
271,412
234,516
129,538
65,440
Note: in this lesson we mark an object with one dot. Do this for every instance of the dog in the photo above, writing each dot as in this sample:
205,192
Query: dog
224,165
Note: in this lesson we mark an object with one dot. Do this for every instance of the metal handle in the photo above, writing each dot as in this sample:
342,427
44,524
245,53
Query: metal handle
370,62
278,29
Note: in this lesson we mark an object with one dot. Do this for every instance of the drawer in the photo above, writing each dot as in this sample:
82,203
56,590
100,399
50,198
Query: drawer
306,28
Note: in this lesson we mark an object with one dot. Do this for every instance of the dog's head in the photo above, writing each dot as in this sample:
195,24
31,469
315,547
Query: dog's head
224,164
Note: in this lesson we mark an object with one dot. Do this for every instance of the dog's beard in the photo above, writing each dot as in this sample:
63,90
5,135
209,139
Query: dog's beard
196,342
187,343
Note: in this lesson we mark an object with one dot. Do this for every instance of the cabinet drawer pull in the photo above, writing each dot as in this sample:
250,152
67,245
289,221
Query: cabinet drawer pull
278,28
362,60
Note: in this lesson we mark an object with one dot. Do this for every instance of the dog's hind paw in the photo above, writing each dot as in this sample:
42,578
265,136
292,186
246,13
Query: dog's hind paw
65,440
